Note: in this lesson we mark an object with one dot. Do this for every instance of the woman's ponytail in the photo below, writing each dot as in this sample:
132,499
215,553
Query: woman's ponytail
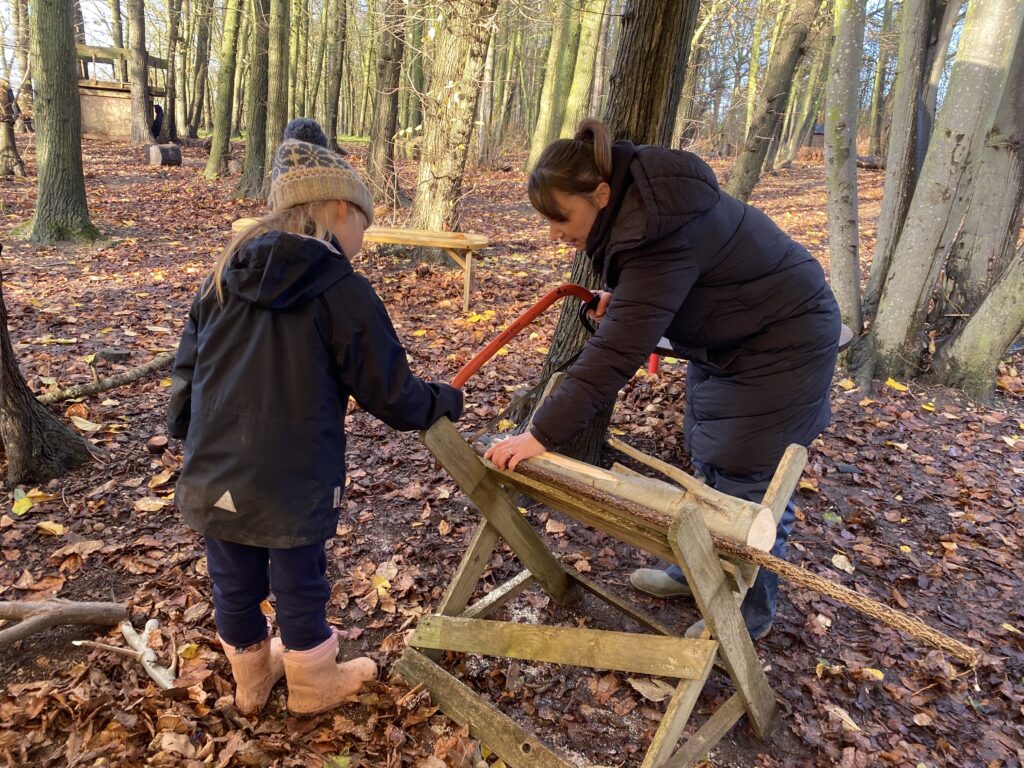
571,166
592,131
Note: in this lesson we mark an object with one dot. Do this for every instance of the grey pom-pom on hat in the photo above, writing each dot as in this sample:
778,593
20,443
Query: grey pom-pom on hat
306,171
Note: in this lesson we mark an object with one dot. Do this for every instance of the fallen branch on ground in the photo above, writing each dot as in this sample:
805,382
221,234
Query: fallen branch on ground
141,652
158,362
38,616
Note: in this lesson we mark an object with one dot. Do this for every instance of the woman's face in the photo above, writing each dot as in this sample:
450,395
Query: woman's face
581,212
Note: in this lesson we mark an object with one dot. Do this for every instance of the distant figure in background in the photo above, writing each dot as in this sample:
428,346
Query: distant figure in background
158,121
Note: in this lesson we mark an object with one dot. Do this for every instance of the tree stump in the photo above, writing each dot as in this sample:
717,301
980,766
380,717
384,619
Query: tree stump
39,446
163,154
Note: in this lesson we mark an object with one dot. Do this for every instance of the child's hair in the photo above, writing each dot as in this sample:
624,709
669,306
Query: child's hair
573,166
303,219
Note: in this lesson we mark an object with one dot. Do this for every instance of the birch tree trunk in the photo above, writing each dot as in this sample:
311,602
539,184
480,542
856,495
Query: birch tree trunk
988,41
781,65
220,147
841,158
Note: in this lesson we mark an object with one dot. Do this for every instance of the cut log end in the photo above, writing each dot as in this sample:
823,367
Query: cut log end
761,534
163,154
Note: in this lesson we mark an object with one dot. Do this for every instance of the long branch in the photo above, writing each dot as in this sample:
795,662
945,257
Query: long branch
158,362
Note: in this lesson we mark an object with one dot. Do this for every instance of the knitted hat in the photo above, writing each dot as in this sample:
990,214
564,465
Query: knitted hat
306,171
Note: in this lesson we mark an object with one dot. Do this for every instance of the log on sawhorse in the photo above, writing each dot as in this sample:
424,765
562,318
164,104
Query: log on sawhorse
669,521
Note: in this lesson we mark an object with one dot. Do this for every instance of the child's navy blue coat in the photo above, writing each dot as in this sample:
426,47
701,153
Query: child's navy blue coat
260,387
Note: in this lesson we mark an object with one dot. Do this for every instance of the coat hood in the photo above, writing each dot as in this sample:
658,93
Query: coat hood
279,270
655,192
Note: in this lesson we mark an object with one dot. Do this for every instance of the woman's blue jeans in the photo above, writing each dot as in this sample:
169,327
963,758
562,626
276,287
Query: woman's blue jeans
758,607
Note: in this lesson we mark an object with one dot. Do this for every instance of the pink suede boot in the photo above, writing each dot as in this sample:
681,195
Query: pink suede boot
317,682
256,669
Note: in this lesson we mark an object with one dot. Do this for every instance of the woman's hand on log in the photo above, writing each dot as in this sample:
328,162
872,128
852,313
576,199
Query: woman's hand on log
509,452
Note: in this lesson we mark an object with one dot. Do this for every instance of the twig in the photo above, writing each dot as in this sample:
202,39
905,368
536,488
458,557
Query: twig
102,385
162,676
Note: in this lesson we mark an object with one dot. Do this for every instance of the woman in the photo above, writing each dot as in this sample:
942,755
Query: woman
748,307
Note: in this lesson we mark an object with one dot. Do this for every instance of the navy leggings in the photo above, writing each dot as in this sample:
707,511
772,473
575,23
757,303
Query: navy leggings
242,578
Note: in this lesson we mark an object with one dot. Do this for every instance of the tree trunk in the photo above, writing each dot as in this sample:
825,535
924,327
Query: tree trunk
943,21
992,222
318,56
10,161
185,12
841,99
565,38
61,210
755,65
38,446
597,94
201,67
302,58
878,89
577,105
381,166
277,83
449,106
220,147
781,66
633,75
485,104
169,128
900,158
655,45
241,57
142,110
117,32
250,184
990,34
806,111
335,58
970,359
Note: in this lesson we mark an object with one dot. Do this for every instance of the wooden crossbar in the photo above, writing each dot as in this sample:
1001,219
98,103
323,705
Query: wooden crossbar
459,245
595,648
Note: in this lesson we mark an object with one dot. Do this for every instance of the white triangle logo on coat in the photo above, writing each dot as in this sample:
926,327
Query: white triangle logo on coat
226,502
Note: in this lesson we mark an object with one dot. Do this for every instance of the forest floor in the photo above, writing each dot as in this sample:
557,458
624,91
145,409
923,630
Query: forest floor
916,487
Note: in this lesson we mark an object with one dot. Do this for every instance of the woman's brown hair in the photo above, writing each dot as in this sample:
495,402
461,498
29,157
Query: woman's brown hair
573,166
309,219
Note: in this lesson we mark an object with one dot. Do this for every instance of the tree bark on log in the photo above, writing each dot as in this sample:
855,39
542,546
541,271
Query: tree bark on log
38,616
163,154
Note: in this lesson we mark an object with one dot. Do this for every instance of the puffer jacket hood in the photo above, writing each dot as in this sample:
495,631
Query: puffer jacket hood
280,270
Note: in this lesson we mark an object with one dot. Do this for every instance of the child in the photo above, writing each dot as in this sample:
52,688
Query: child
277,339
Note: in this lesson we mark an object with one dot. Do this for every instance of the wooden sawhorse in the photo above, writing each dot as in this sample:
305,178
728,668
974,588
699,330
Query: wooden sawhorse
673,525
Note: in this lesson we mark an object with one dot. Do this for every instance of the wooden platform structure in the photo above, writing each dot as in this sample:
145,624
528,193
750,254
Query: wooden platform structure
460,246
674,522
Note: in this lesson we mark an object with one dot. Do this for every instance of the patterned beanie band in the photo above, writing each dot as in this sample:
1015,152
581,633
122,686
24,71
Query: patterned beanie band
306,171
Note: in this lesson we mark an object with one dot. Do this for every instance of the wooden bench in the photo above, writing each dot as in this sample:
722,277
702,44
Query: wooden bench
674,522
459,245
